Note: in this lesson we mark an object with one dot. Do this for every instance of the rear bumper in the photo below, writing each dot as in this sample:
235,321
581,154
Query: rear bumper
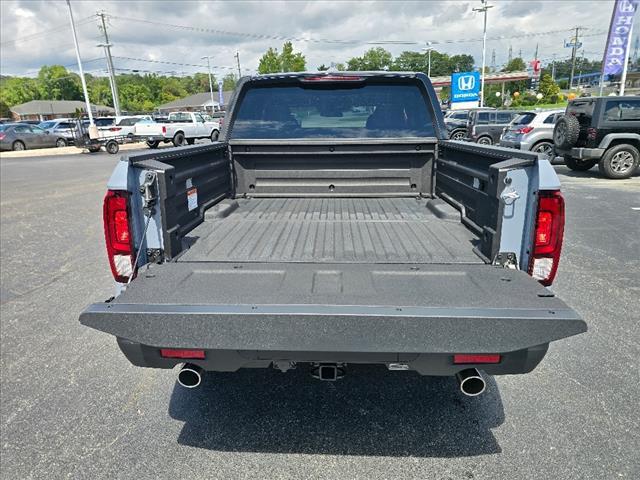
582,153
438,364
516,144
150,138
236,336
587,153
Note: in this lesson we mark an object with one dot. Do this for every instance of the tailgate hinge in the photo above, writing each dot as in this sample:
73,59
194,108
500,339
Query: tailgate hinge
506,260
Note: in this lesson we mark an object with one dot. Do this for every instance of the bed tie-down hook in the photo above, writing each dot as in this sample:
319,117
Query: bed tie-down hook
509,195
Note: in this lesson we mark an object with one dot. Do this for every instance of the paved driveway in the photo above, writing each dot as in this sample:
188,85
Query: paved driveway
72,406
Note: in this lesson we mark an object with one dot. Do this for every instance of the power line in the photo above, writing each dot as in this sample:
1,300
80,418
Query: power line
36,35
174,63
336,41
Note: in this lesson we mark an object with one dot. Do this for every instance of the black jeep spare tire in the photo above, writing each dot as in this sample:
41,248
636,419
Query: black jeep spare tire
566,131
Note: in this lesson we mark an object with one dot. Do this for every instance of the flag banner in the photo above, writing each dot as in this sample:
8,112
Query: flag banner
619,36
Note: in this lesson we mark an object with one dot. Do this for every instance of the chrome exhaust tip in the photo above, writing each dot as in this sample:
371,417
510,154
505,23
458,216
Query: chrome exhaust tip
471,382
190,375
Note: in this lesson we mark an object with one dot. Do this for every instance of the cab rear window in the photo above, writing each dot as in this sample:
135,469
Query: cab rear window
333,111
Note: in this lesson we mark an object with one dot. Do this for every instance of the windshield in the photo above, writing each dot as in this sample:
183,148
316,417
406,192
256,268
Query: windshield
524,119
369,111
459,115
46,125
3,128
127,122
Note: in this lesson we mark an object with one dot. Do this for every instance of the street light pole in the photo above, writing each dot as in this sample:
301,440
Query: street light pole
483,9
93,131
428,50
210,81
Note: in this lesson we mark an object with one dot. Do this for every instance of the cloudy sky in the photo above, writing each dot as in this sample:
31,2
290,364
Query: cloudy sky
171,36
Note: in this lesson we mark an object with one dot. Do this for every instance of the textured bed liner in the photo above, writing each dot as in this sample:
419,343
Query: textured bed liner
326,230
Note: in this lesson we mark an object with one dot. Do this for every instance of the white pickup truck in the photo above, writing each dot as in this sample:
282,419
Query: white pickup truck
181,128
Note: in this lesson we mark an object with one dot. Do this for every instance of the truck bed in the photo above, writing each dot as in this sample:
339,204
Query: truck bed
332,230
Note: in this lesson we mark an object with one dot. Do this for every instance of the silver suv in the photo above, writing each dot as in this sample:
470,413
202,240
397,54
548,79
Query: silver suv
532,131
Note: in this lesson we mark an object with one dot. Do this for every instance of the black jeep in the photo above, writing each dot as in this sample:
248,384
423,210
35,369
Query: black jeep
602,130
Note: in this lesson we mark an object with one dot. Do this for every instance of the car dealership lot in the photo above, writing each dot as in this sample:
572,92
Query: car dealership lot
72,406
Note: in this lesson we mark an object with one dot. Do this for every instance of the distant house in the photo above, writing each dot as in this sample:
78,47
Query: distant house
48,109
196,102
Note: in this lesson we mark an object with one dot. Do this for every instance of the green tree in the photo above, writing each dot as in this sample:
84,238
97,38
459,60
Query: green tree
373,59
56,83
548,88
16,90
323,68
270,62
4,109
515,65
291,61
411,62
229,82
286,61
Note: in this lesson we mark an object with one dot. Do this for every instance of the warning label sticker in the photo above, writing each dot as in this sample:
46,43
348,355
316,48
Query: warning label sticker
192,198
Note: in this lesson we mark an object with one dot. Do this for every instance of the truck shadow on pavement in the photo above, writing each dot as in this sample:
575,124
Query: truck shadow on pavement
369,412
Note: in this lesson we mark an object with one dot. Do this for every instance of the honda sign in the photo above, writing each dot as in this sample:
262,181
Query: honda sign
465,86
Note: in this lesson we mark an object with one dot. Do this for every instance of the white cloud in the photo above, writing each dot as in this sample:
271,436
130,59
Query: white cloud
358,21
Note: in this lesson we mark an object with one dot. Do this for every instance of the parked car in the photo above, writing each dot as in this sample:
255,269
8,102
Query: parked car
181,128
532,131
456,123
62,127
602,130
22,136
485,126
318,242
124,126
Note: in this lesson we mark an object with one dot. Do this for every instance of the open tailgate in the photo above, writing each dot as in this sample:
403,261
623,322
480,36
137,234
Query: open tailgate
335,307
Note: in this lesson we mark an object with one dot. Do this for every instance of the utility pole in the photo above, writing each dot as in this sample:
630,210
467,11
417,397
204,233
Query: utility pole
483,9
493,60
237,55
574,51
93,130
208,57
510,57
112,74
553,68
535,55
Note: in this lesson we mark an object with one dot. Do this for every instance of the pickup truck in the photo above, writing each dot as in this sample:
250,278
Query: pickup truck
335,224
180,128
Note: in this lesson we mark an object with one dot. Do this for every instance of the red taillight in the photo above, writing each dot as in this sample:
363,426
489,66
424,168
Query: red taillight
592,133
2,135
115,129
181,353
525,129
164,130
549,232
332,78
117,233
460,358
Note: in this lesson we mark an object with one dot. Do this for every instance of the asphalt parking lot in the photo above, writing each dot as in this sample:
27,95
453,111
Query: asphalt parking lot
73,407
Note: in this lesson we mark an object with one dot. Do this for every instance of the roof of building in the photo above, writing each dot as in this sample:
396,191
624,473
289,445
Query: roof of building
55,107
197,100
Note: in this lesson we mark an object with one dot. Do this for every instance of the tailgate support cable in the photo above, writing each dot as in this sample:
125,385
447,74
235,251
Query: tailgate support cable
149,200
